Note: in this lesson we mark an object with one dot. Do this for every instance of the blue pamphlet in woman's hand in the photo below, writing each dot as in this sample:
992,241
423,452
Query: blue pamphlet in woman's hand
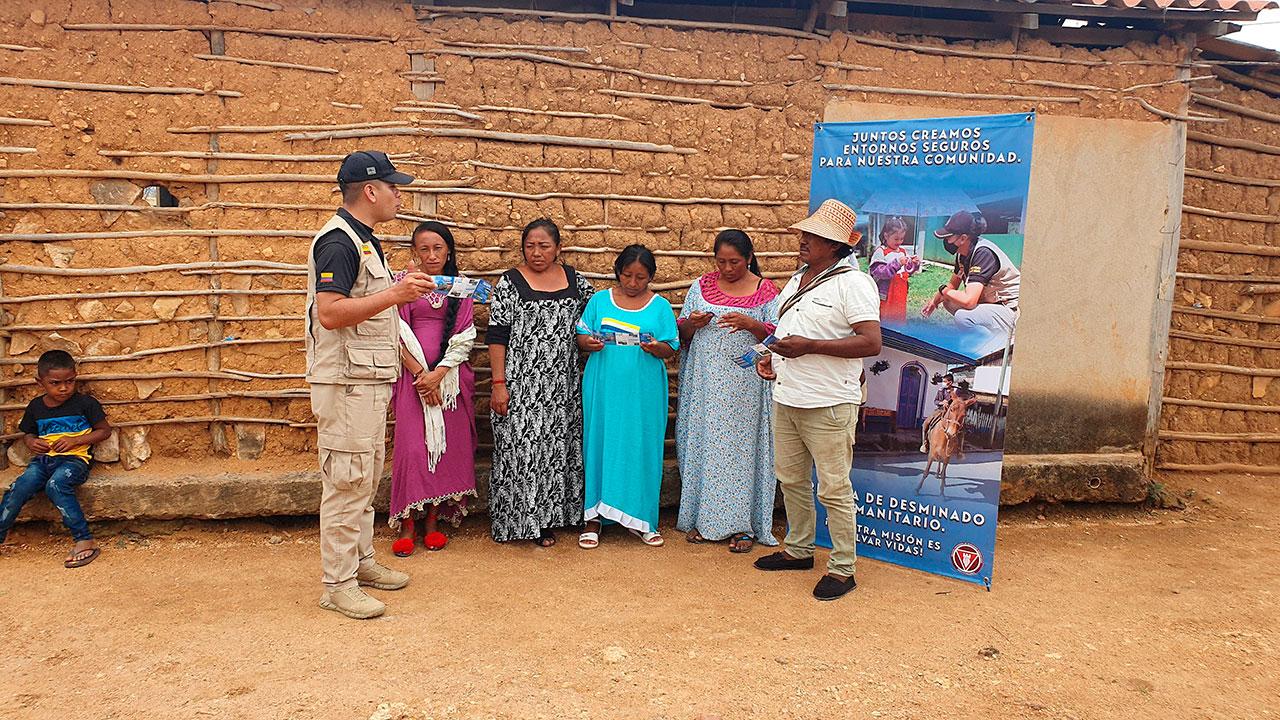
462,287
756,352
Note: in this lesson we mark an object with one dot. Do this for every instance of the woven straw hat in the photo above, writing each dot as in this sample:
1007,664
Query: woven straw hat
833,220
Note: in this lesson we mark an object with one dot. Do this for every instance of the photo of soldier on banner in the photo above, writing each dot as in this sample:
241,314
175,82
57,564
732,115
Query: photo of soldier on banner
941,205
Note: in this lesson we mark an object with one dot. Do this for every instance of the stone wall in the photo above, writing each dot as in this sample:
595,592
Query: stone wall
1222,401
202,362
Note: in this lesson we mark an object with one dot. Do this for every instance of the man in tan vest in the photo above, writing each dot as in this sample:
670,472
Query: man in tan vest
353,358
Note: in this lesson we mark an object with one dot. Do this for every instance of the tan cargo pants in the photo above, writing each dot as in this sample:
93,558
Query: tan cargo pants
352,426
805,439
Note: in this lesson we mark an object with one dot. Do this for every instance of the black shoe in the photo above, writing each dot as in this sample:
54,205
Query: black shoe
782,561
830,588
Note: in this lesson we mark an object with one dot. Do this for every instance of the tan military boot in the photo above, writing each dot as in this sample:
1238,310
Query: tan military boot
352,602
382,578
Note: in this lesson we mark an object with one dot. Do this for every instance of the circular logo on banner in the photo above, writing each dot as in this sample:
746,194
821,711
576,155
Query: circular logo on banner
967,558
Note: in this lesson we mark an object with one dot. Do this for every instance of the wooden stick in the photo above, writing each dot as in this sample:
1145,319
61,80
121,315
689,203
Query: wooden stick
1261,290
1234,179
947,94
29,122
1242,80
1228,278
1235,108
97,87
16,150
534,57
267,63
18,382
1162,83
686,100
1228,369
254,318
960,52
201,179
428,103
123,234
208,155
433,12
1224,339
1062,85
849,66
1219,437
243,272
256,4
1229,247
1226,315
602,196
558,113
1221,468
501,46
1208,139
9,329
440,111
90,207
17,48
349,106
268,376
131,270
513,168
1171,116
11,300
277,32
159,351
499,137
1220,405
1247,217
289,394
284,128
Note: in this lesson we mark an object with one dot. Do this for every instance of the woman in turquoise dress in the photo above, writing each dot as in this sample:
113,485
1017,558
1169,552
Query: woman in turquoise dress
724,440
629,331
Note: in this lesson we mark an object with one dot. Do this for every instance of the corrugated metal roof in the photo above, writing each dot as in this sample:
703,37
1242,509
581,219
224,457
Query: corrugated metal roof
1240,5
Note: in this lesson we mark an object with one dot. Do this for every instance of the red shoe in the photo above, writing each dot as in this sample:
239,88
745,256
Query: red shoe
435,540
403,547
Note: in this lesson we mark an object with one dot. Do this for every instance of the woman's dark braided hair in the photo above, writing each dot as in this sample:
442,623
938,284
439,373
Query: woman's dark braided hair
450,268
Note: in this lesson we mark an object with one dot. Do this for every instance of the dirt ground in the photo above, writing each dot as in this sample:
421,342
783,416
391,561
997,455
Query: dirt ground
1096,612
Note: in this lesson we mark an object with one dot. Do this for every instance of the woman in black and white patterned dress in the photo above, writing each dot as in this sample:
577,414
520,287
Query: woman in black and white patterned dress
537,481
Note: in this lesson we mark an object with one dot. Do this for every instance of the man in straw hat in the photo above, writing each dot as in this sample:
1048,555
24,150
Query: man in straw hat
829,319
353,357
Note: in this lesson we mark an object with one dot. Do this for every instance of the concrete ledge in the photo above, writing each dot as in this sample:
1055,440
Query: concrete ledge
1075,477
136,495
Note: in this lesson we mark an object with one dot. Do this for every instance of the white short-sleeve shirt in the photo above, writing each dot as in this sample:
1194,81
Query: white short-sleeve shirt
827,312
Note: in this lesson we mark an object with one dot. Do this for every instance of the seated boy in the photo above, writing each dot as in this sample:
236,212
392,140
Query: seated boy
60,427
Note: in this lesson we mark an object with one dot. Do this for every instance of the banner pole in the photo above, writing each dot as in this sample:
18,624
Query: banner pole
1004,370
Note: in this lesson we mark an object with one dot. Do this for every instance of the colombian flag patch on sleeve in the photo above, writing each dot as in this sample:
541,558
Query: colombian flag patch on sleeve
326,277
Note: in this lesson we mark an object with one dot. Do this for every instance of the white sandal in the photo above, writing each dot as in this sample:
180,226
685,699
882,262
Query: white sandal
652,539
589,540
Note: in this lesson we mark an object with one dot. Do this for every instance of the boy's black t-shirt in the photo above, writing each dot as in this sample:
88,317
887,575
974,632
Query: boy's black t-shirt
75,417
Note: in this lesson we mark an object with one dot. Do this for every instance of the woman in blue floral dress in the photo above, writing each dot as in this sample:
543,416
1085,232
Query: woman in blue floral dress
724,440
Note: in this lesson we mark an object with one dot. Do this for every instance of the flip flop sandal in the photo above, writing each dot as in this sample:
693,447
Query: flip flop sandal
546,540
733,543
589,540
652,539
403,547
694,538
435,541
73,562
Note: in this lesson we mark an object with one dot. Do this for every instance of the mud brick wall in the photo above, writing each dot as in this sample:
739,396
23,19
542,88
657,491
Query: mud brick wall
1222,399
200,361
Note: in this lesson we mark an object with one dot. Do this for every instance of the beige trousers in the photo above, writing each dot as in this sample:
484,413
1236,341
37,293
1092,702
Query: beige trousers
352,426
821,438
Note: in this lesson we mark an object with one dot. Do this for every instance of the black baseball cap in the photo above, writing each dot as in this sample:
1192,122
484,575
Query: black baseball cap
363,165
961,223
